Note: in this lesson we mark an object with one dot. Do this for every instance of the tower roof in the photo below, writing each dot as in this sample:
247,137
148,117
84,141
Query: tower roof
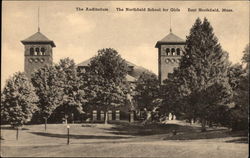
170,39
38,38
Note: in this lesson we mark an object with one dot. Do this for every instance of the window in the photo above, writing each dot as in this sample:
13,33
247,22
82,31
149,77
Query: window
41,60
178,51
43,51
167,51
37,51
168,61
31,51
173,51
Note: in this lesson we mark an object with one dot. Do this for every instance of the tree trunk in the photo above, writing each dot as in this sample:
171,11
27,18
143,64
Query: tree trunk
17,133
203,125
45,124
190,121
66,119
210,124
106,117
73,118
131,117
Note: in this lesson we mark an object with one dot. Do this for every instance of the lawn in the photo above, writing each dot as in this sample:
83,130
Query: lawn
124,140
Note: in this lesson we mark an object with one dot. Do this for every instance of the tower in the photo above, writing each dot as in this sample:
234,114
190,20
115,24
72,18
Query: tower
170,50
37,52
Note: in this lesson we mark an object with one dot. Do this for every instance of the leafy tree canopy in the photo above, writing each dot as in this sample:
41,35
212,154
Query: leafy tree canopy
48,89
106,79
246,58
73,96
18,100
147,90
202,79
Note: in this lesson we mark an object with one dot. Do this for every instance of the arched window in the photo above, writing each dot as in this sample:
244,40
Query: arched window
31,51
173,51
43,51
178,51
37,51
168,51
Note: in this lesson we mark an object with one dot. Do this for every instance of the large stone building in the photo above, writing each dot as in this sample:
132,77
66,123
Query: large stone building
170,50
133,74
38,51
122,112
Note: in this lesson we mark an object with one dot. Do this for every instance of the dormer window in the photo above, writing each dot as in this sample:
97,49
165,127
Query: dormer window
130,68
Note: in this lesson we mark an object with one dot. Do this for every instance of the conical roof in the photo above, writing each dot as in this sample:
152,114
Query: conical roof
169,39
38,38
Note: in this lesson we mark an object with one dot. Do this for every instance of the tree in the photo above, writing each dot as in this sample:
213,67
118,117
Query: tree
147,91
106,77
201,79
73,96
246,58
239,81
18,100
47,87
174,100
239,113
234,73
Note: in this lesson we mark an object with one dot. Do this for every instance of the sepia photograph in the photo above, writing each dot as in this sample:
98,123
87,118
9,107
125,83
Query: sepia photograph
125,79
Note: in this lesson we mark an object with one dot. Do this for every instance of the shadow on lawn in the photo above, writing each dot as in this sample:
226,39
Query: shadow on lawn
239,140
184,132
77,136
137,129
212,134
12,128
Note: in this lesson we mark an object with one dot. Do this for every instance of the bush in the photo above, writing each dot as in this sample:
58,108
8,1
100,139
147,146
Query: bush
239,119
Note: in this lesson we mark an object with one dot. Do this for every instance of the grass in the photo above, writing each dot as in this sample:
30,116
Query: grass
122,139
213,134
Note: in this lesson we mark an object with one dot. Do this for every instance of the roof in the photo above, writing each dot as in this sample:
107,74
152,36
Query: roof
130,78
132,75
84,63
169,39
38,38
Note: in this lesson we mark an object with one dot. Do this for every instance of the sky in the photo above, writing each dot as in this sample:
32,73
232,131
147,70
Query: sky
80,34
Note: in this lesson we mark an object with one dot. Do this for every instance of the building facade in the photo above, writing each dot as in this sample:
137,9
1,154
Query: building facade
170,50
38,52
126,112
